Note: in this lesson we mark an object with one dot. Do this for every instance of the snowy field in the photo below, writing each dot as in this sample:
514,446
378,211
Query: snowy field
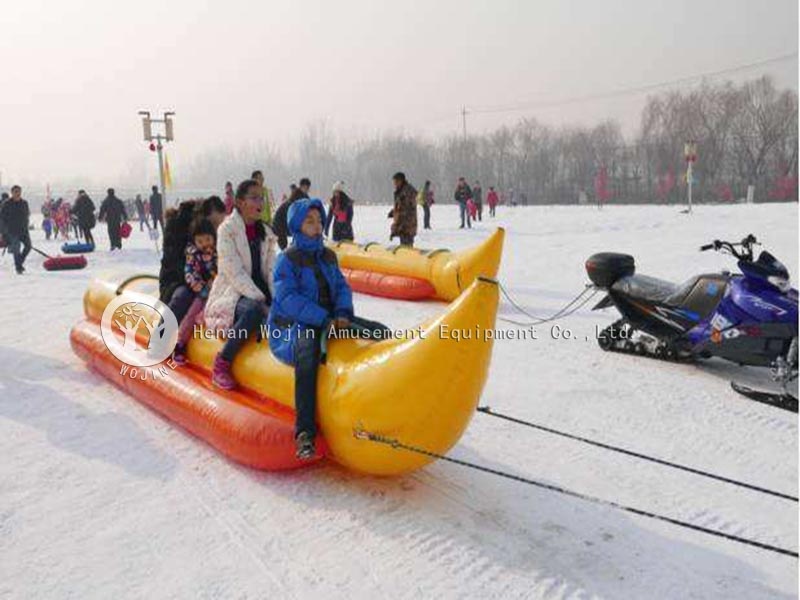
102,498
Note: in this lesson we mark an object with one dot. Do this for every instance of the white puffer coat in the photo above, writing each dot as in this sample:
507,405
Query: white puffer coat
234,270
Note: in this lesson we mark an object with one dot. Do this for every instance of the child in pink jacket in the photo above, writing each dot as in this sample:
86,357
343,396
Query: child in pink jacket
200,271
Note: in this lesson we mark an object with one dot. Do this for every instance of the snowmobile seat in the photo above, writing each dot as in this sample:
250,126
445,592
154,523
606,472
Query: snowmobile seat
604,268
644,287
700,294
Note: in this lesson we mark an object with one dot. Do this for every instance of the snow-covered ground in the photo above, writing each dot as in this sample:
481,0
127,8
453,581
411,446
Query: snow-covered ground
102,498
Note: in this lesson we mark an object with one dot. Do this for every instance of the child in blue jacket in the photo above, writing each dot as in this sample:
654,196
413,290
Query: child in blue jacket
311,295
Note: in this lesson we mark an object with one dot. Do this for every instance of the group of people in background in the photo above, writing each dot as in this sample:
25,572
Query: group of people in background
153,208
60,218
406,199
470,202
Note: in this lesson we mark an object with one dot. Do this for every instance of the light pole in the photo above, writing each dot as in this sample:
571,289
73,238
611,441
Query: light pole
690,155
147,127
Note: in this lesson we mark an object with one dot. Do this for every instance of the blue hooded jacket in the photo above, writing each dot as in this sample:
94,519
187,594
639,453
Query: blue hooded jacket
296,302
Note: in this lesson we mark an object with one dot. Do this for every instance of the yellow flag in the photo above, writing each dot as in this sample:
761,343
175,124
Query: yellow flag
167,173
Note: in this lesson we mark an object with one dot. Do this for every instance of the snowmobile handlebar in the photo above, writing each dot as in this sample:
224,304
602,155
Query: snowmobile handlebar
742,250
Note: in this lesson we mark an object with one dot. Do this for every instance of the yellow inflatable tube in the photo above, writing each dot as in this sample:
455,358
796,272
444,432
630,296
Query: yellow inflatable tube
422,389
449,273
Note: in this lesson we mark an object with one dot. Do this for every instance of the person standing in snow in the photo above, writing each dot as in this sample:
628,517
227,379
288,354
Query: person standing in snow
83,209
47,223
139,205
425,200
74,220
340,213
461,195
55,205
477,198
113,212
15,218
404,213
279,222
266,215
492,200
63,218
157,207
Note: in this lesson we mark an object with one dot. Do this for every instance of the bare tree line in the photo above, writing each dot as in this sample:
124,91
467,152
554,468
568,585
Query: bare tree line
746,135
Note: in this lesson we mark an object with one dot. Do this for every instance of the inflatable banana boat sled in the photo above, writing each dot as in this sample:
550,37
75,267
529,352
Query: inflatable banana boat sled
406,273
421,388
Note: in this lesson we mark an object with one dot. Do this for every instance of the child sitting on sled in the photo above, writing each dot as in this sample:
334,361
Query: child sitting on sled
311,296
200,271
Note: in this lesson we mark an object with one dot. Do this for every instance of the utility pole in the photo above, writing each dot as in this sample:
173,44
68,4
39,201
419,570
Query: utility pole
464,121
157,146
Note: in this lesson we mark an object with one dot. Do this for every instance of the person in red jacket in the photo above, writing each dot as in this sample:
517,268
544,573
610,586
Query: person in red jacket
492,199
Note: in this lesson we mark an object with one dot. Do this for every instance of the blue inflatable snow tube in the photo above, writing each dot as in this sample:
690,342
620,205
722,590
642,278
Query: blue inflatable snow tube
77,248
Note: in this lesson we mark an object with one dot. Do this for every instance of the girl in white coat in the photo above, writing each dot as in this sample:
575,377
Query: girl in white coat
242,292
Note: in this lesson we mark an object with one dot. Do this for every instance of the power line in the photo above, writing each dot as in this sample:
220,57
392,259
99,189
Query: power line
635,90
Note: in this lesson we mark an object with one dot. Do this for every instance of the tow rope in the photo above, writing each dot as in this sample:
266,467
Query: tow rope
488,411
362,434
571,307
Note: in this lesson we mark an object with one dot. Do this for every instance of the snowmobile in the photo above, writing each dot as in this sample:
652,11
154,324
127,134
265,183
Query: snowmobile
748,318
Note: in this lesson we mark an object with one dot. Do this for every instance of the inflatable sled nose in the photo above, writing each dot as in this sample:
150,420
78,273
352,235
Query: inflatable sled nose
423,390
482,260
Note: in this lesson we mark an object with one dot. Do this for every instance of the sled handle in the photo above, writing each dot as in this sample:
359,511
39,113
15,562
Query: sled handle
40,252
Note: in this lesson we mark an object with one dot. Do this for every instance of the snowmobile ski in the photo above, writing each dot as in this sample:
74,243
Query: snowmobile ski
776,399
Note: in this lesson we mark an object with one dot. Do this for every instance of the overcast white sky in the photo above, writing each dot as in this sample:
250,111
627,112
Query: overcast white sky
74,73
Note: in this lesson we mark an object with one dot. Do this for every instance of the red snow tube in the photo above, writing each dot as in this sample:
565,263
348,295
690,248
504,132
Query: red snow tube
125,230
256,432
399,287
64,263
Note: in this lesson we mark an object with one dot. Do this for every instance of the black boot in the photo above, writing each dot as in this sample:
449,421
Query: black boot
305,446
